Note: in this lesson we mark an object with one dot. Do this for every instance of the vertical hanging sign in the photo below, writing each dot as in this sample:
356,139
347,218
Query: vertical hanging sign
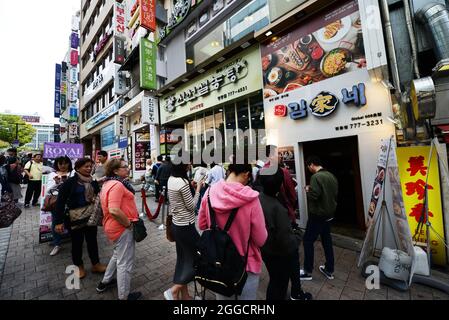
148,14
147,64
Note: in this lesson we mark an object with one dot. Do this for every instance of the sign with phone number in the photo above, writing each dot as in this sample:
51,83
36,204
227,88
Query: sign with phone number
368,123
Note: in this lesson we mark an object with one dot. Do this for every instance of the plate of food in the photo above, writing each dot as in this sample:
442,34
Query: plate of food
268,61
376,191
276,76
381,175
291,87
335,62
268,93
335,31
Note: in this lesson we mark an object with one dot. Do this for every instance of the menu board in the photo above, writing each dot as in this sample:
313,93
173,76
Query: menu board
328,45
141,154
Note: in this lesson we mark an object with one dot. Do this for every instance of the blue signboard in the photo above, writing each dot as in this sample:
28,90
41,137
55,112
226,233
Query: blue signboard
73,113
123,143
57,104
58,77
74,41
107,135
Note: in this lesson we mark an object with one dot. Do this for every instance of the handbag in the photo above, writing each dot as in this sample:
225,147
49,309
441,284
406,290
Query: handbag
169,230
8,210
96,218
139,230
50,202
80,216
25,178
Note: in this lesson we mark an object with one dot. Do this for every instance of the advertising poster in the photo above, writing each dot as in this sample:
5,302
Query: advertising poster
368,245
329,45
141,154
45,234
414,170
287,156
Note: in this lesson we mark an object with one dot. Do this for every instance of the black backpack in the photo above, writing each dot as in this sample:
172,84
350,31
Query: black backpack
218,265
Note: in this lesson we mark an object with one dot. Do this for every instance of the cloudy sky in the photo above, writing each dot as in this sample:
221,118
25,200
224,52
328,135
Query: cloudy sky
34,36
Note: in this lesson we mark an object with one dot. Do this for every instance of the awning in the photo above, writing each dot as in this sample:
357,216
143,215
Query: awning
131,61
445,131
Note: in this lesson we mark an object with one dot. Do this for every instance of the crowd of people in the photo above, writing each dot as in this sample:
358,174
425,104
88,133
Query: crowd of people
264,228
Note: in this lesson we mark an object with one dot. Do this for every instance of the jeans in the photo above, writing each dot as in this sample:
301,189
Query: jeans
78,235
318,227
33,191
281,269
122,260
56,236
249,290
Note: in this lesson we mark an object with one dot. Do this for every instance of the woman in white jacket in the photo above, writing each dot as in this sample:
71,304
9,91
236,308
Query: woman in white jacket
63,170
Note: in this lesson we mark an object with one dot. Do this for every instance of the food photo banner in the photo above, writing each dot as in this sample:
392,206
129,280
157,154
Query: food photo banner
328,45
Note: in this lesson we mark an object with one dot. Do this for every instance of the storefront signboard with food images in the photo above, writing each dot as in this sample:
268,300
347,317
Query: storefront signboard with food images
414,171
326,46
232,79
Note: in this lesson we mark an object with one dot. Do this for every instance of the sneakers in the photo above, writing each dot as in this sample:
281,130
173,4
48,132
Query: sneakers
36,204
104,286
168,295
99,268
55,251
302,296
304,275
134,296
326,273
26,205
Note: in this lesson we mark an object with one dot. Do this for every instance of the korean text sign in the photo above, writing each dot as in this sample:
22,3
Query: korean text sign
413,171
147,64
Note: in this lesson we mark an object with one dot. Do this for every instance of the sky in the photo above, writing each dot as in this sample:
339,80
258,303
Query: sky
34,37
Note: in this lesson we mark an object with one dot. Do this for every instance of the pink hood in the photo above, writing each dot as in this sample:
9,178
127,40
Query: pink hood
249,221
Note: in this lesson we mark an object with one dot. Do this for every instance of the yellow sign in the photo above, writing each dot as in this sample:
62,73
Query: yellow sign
413,170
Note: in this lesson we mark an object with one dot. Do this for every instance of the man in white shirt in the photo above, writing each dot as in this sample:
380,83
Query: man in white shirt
99,172
33,169
215,174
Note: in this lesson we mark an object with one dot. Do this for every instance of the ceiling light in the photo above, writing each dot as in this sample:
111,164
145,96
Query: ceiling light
221,59
172,88
201,71
189,61
249,18
245,45
185,80
269,33
274,38
215,44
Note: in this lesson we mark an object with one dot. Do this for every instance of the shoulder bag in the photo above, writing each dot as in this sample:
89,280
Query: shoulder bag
169,230
96,218
8,210
139,230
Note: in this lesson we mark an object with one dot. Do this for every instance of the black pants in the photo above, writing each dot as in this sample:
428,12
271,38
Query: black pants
33,191
318,227
281,269
78,235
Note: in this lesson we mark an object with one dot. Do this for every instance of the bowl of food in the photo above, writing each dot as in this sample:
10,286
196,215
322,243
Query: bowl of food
268,61
275,76
335,61
268,93
291,87
381,175
376,191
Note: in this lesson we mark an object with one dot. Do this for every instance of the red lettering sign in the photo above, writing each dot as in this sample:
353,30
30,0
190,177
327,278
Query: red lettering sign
148,14
417,187
417,165
418,211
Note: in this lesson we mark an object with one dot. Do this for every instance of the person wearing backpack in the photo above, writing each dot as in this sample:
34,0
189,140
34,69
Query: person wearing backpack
280,252
247,230
182,210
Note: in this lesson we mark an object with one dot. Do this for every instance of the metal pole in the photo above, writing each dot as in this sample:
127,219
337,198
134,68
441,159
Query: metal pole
17,131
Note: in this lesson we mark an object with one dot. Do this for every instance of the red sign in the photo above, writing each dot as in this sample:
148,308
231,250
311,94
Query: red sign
148,14
119,18
74,58
280,110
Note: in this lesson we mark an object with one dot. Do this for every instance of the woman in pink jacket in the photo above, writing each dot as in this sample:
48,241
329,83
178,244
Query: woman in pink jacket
249,223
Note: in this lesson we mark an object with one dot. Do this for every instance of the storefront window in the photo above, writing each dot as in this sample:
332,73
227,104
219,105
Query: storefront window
219,122
243,122
230,122
253,17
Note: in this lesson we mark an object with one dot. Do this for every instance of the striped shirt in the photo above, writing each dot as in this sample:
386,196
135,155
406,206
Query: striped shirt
182,204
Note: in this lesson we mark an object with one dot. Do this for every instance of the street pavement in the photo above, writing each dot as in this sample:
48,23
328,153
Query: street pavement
31,273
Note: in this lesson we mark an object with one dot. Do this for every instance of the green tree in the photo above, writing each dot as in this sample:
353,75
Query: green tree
10,123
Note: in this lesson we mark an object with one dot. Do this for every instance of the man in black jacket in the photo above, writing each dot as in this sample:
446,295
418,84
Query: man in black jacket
280,251
322,203
163,173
